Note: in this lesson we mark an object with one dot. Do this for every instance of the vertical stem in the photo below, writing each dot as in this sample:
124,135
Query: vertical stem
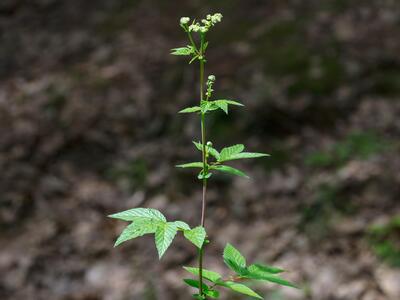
204,158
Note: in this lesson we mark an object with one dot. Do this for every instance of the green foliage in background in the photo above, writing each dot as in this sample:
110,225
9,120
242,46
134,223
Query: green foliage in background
385,241
150,221
358,145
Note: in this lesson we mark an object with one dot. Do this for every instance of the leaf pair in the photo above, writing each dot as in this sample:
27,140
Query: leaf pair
207,106
227,154
237,263
148,220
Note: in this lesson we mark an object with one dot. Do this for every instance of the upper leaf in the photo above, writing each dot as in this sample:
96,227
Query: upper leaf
164,236
182,225
190,110
234,259
223,104
188,50
132,214
227,152
196,235
229,170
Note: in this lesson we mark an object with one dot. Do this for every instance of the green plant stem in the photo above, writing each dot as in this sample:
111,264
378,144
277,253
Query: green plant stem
204,157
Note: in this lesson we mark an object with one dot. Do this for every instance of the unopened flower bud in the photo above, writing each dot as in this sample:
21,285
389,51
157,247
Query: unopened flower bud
211,78
209,144
184,20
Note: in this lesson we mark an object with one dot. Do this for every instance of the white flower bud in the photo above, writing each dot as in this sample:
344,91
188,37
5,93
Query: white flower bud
209,144
184,20
203,29
211,78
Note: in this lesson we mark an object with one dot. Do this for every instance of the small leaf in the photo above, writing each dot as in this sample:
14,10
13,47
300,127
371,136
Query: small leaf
195,283
228,169
191,165
190,110
207,274
132,214
234,259
188,50
227,152
240,288
212,293
210,150
259,268
270,278
137,229
164,237
201,176
182,225
197,236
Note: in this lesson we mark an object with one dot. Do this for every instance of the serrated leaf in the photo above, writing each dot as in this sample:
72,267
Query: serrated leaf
260,269
227,152
207,274
222,105
182,225
190,110
271,278
229,170
207,106
164,236
196,235
198,164
229,102
234,259
244,155
210,150
240,288
132,214
188,50
137,229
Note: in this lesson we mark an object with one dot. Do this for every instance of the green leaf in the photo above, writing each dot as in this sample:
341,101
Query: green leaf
164,236
228,169
210,150
240,288
198,164
135,213
260,269
229,102
201,176
244,155
222,105
188,50
234,259
196,235
207,106
190,110
271,278
195,283
227,152
137,229
212,293
207,274
182,225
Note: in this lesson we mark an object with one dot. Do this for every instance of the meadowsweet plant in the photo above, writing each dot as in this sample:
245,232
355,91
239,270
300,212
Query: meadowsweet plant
151,221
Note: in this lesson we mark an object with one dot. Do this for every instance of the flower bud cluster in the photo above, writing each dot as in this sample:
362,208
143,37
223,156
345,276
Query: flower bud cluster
210,83
202,26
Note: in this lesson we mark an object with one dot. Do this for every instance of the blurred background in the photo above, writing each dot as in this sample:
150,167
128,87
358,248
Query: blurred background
88,127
